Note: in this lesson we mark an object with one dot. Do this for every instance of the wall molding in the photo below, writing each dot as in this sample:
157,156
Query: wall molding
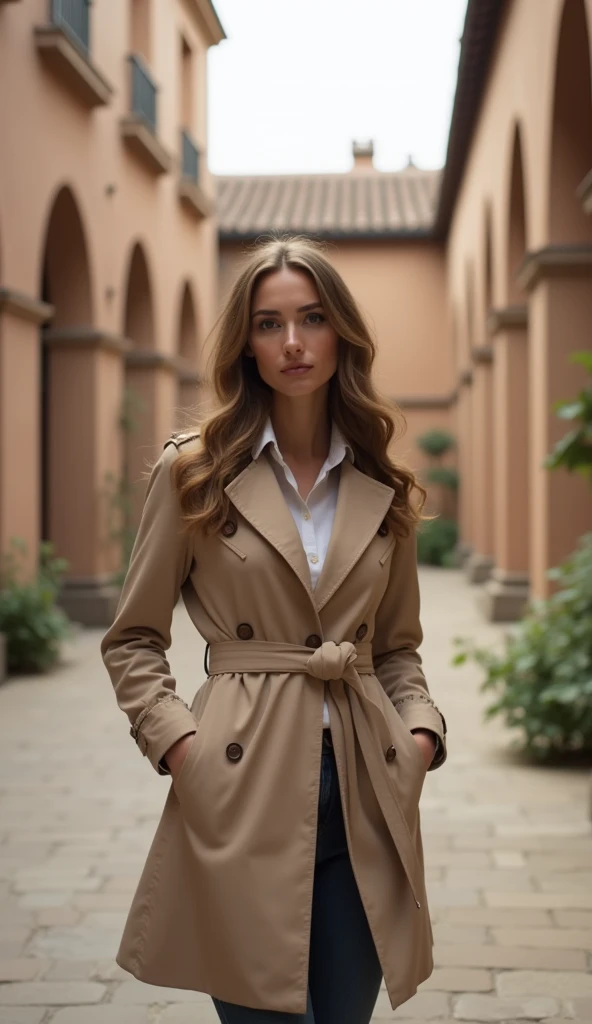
25,306
85,337
482,354
426,401
507,318
554,261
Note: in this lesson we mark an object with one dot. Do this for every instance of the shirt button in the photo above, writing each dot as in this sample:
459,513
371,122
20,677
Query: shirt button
306,515
314,559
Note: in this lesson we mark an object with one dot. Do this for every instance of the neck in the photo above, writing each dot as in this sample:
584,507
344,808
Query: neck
302,426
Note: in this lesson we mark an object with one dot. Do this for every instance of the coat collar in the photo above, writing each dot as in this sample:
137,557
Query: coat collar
362,504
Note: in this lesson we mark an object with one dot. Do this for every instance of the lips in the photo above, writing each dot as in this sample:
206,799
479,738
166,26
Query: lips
296,369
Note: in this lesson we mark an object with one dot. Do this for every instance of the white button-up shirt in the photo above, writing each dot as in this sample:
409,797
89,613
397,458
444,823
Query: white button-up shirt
313,517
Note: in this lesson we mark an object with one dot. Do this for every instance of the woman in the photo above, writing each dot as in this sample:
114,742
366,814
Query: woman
286,875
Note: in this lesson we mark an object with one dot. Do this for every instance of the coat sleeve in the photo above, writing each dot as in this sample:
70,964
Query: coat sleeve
397,637
133,649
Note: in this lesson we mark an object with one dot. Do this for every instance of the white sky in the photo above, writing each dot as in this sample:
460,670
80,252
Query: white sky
297,80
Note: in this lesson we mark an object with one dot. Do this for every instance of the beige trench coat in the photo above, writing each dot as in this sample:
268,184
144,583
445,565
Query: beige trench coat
223,905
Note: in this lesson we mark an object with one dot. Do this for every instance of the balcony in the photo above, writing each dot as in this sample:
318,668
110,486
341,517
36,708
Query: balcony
64,47
138,128
190,191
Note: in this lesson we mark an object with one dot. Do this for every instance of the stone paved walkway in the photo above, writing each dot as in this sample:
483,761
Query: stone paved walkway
508,850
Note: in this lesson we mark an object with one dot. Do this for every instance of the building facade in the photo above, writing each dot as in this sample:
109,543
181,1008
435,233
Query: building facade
479,302
108,266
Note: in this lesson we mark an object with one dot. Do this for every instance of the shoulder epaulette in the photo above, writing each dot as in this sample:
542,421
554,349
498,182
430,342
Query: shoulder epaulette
178,438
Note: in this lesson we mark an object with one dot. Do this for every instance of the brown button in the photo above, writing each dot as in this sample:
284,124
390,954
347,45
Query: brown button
361,631
383,529
229,528
234,751
244,631
313,640
390,753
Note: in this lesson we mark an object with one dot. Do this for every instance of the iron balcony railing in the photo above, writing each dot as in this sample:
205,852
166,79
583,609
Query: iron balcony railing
189,158
73,17
143,92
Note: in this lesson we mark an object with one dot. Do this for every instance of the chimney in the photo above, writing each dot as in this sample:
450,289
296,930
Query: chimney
363,156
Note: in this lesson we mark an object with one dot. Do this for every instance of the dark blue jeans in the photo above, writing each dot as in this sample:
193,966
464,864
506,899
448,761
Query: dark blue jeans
344,972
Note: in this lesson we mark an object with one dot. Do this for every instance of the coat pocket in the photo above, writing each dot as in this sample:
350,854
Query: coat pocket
178,782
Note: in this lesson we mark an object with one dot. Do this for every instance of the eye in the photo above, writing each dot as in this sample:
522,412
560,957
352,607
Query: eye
267,325
320,318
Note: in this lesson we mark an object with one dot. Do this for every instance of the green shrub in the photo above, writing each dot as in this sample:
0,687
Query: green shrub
446,476
436,442
34,626
436,540
543,679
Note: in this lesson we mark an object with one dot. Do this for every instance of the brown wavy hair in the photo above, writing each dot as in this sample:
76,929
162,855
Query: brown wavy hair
244,399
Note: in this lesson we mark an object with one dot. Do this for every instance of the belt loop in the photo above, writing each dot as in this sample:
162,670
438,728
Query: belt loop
206,660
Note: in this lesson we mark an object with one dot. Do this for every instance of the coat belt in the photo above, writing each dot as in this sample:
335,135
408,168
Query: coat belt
346,662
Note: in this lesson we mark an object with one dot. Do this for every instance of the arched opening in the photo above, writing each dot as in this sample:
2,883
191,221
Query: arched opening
188,351
511,403
561,303
488,263
140,399
516,220
139,314
571,140
66,285
469,312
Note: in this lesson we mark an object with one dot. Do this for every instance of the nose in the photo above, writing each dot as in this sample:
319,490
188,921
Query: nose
292,342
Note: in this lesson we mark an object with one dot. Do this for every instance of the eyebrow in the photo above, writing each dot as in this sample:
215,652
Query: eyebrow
277,312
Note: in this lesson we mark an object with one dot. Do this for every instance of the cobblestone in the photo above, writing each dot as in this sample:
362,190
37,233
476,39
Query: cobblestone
508,851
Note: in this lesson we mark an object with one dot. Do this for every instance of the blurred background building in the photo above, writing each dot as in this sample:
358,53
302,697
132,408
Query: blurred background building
107,265
117,247
478,280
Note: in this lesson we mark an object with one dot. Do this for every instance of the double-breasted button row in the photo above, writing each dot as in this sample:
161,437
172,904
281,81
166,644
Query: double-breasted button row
234,751
390,753
313,641
244,631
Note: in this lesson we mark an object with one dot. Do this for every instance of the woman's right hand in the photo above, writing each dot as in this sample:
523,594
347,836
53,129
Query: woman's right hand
176,754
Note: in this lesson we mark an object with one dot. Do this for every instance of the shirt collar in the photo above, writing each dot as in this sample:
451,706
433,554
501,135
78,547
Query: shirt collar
339,449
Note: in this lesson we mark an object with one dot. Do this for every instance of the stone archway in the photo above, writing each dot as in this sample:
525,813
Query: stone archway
508,590
65,427
559,279
188,394
465,323
480,562
140,413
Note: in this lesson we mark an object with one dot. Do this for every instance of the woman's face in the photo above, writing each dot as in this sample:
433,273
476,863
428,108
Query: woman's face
293,344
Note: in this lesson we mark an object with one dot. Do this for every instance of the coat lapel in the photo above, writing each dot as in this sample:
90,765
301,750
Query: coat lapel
362,504
257,495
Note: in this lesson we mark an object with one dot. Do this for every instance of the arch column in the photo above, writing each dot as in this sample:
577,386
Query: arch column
506,593
480,562
85,384
463,427
151,378
20,492
559,280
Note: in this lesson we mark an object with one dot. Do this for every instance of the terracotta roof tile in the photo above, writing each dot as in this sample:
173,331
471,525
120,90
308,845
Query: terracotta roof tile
351,205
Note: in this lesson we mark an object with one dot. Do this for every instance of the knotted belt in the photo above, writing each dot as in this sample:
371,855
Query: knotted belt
346,662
